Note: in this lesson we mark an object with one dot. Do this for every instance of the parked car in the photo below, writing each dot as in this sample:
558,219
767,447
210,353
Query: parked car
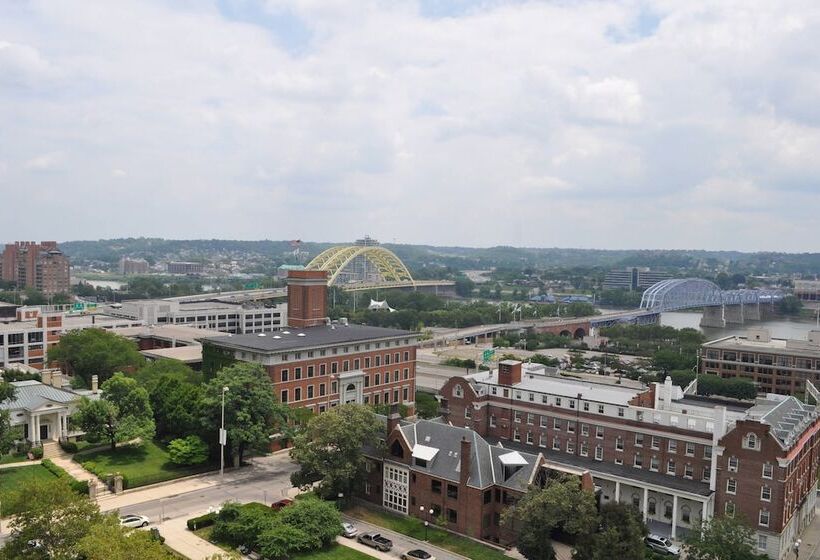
417,554
662,545
134,521
376,541
349,530
284,502
248,553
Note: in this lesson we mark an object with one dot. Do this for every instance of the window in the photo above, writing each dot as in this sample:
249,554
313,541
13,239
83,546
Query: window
516,435
297,394
766,493
670,466
452,491
667,510
688,471
458,392
762,542
543,421
529,438
322,369
656,443
556,424
467,413
638,460
690,449
542,440
584,449
732,464
763,518
672,446
686,514
435,486
767,470
570,427
619,443
652,506
488,496
284,375
750,442
556,444
599,432
334,367
620,412
310,371
707,451
297,373
619,461
586,406
492,421
638,440
584,430
452,516
729,509
530,418
707,474
570,446
387,377
572,404
395,488
367,361
310,391
357,364
599,453
518,416
600,409
284,397
557,401
731,486
654,463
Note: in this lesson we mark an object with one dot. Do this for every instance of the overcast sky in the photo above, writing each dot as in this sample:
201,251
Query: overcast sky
667,124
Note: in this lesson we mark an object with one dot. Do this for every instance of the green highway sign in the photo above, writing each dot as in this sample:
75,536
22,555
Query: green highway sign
488,354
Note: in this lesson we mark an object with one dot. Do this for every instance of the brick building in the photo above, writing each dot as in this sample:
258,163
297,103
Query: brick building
41,266
317,364
442,473
775,365
676,457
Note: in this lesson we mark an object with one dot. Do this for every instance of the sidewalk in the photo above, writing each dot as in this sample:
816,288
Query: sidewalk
178,537
351,543
810,547
21,464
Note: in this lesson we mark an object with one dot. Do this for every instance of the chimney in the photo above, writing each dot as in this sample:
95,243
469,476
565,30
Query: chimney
95,384
307,298
509,372
466,454
46,377
667,393
57,379
393,418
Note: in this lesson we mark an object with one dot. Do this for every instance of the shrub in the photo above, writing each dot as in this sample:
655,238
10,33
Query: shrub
189,450
79,486
68,446
37,452
202,521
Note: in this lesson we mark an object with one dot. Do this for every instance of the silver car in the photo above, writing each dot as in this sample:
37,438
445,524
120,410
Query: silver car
349,530
662,545
133,521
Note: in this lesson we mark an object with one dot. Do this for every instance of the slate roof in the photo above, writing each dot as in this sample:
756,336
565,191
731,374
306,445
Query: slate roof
788,418
31,395
294,339
486,469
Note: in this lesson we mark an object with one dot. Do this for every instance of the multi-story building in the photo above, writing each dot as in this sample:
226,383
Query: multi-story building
633,279
442,473
676,457
808,291
133,266
215,315
316,364
27,338
41,266
181,267
776,365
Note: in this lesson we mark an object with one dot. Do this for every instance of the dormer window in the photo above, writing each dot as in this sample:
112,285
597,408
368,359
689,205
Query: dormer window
751,442
458,392
396,450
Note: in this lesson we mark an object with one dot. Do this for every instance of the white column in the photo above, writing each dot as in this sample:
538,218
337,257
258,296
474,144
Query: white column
617,491
645,504
36,429
674,516
704,510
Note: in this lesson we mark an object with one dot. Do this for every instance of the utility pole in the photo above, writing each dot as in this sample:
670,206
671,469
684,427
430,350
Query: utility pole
223,437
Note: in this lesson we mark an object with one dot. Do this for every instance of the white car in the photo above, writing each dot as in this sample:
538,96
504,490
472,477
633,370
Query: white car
349,530
662,545
134,521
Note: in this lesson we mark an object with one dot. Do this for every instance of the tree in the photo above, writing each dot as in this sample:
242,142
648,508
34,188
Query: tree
88,352
107,540
790,305
122,414
177,405
190,450
620,534
721,538
318,518
156,370
252,414
52,514
329,450
562,505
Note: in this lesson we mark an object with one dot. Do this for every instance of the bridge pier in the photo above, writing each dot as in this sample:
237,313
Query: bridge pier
751,311
713,317
734,314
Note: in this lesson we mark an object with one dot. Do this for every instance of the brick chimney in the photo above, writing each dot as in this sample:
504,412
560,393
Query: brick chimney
95,388
393,418
509,372
307,298
466,455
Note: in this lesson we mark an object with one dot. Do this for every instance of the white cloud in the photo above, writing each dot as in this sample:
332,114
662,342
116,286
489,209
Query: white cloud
468,127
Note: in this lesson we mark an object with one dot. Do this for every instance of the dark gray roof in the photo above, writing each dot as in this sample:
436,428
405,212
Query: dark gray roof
486,468
31,395
605,467
788,418
295,339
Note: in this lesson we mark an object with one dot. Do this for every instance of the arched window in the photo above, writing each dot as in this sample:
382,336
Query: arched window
750,441
351,387
667,510
685,514
653,506
458,392
396,450
636,501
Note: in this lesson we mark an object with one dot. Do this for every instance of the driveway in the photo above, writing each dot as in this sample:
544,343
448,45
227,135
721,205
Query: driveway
402,543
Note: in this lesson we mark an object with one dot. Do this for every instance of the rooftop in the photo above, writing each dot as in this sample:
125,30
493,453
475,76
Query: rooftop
31,395
787,416
179,333
794,347
185,354
295,339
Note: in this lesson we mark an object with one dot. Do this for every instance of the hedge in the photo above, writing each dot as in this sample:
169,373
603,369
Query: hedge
78,486
68,446
202,521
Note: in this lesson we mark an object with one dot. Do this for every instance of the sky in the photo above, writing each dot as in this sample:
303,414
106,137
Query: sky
629,124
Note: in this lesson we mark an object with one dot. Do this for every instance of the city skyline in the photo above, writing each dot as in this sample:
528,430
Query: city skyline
614,125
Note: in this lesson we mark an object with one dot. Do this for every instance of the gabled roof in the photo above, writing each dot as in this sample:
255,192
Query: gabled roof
788,418
32,395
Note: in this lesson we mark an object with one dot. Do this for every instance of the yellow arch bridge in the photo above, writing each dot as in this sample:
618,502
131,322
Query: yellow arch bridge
391,271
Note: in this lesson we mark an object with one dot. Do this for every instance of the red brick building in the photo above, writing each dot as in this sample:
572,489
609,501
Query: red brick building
316,364
41,266
676,457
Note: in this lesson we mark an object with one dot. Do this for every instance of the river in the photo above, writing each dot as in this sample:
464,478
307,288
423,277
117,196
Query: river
779,328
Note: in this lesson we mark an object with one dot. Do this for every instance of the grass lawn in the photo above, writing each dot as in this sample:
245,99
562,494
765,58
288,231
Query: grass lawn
412,527
146,464
13,458
12,479
334,552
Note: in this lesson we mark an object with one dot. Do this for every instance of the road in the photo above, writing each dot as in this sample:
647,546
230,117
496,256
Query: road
402,544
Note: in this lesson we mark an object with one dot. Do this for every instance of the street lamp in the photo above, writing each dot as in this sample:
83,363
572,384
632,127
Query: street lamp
223,437
424,510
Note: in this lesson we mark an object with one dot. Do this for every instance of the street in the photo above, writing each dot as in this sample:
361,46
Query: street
402,543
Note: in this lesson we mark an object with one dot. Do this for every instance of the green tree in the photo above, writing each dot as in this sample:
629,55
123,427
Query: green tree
790,305
252,414
122,414
561,505
280,541
189,450
620,534
177,405
329,450
318,518
98,352
156,370
52,514
721,538
107,540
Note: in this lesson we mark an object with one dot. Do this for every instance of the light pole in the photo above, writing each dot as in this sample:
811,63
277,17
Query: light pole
223,437
424,510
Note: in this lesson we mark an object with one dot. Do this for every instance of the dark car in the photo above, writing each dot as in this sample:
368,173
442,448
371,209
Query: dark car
417,554
284,502
376,541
